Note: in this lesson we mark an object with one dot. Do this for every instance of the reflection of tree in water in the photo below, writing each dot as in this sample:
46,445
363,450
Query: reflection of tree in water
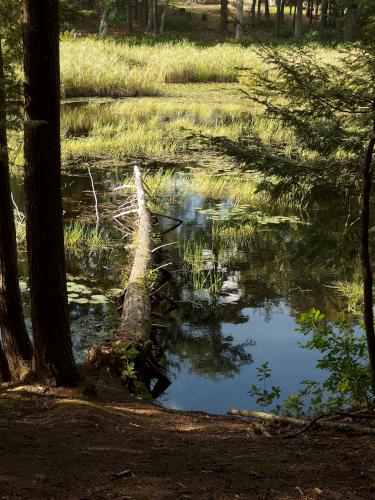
201,341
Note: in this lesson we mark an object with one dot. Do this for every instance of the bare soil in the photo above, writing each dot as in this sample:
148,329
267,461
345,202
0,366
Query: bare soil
57,444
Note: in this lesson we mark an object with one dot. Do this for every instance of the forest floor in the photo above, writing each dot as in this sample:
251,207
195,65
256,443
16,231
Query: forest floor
57,444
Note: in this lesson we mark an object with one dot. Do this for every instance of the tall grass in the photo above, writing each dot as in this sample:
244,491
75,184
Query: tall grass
90,67
79,236
107,68
147,127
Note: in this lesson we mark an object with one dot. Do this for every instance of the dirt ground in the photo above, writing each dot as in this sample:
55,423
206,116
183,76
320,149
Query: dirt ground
57,444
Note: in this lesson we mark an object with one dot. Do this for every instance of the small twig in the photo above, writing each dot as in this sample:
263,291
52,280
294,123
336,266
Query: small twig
95,198
162,246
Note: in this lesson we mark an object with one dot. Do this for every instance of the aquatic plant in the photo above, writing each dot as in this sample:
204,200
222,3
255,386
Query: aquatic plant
78,236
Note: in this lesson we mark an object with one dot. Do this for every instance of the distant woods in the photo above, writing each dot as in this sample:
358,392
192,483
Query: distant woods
285,18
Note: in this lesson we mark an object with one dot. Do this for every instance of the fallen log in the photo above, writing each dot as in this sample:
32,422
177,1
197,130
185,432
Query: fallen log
136,313
307,424
136,324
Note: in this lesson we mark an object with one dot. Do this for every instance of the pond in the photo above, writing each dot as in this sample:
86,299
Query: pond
237,311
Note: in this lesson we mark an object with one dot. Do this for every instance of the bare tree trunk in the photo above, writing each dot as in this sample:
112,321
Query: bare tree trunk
223,28
266,8
278,18
45,235
129,17
298,23
145,12
163,16
323,21
103,27
350,24
239,15
155,16
252,12
15,339
259,8
282,8
150,15
365,254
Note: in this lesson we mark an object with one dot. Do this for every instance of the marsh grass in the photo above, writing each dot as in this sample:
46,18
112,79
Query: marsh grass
200,270
152,128
79,236
91,67
109,68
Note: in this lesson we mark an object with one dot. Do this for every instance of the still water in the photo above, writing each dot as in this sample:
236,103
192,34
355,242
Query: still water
222,331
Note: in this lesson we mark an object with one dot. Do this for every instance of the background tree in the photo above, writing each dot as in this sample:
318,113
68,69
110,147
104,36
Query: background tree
45,235
223,16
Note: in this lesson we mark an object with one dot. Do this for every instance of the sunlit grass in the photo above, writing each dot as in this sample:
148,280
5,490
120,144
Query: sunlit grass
352,293
152,128
91,67
79,236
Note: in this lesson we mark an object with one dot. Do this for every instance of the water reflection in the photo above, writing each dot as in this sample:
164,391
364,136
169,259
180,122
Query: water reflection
214,341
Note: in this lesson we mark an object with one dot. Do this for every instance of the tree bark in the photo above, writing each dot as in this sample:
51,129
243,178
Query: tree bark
278,18
259,8
129,17
365,254
323,21
44,234
350,24
223,28
15,339
239,19
5,375
298,24
163,16
136,316
266,8
252,12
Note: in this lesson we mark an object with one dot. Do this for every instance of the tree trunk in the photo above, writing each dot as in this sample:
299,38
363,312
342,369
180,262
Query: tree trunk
365,254
163,16
266,8
223,16
150,15
252,12
350,24
103,27
129,17
155,16
239,19
298,23
323,21
282,8
15,339
5,375
44,234
259,8
145,12
278,18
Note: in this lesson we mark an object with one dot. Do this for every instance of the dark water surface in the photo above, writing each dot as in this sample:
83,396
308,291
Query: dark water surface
215,341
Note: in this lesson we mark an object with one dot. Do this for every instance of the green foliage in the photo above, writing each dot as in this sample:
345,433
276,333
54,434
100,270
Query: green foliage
344,358
128,355
328,106
264,396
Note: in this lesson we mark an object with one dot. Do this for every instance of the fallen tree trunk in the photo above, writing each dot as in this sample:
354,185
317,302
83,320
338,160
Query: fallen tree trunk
136,325
338,426
136,313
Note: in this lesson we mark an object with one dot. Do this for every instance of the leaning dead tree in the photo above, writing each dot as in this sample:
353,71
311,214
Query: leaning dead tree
136,328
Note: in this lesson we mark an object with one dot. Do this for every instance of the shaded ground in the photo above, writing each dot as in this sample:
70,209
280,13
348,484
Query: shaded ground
56,445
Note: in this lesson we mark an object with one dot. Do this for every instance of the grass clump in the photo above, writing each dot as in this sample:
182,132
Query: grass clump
79,236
